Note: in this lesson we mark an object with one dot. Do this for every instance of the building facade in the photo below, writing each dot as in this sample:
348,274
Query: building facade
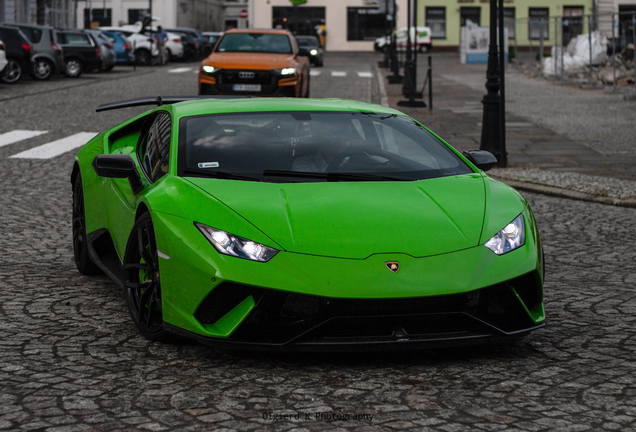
351,25
56,13
236,14
204,15
528,21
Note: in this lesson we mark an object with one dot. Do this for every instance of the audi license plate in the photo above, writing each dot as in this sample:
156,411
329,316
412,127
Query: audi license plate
247,87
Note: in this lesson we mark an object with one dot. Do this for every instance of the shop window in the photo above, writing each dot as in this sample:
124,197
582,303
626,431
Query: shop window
365,24
536,16
436,20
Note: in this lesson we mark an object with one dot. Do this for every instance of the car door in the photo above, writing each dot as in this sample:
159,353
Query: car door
152,155
79,45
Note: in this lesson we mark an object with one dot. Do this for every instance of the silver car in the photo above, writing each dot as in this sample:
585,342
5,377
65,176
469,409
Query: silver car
109,56
47,57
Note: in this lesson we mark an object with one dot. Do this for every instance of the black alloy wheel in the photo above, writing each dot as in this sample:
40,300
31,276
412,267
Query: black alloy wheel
42,69
142,283
73,68
143,57
80,244
12,71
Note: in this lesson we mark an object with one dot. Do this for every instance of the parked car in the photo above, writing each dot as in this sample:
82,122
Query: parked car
3,57
201,41
174,45
18,52
316,53
144,48
212,38
81,52
47,56
423,43
190,47
109,57
123,47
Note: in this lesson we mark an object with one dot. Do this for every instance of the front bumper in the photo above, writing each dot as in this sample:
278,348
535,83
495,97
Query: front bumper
223,82
304,302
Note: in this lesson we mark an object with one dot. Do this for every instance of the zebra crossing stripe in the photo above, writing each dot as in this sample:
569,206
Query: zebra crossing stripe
365,74
56,148
314,73
180,70
338,74
18,135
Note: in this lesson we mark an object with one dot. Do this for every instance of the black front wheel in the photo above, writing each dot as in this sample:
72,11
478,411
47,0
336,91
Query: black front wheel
12,71
142,283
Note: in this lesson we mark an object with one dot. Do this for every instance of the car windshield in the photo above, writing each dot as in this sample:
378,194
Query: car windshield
312,146
307,41
255,43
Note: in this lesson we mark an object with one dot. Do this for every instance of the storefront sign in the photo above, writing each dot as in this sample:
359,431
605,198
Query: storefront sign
475,41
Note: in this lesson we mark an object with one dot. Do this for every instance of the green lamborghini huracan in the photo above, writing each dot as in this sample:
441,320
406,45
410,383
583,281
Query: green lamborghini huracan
303,225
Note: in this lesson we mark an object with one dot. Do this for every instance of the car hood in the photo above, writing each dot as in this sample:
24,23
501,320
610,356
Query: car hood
248,60
358,219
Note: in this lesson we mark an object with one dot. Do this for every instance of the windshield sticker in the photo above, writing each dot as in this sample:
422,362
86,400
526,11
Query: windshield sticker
208,165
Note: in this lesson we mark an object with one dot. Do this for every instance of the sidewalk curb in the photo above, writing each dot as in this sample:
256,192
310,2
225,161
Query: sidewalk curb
564,193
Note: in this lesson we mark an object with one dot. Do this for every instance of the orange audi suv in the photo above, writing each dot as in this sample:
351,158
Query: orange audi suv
256,62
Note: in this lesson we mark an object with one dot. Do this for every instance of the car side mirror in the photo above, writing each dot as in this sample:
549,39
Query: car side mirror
303,52
119,166
481,159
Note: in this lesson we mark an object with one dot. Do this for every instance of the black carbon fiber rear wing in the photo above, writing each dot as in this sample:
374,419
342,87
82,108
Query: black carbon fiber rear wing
158,100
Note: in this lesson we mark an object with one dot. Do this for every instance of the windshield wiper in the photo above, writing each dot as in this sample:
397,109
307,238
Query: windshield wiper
333,176
219,174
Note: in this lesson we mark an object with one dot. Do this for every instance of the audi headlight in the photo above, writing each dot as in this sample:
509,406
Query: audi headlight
313,52
287,72
210,69
229,244
510,238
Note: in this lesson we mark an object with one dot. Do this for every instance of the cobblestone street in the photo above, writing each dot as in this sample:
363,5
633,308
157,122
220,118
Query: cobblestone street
73,361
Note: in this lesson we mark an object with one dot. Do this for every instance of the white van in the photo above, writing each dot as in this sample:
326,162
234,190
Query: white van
423,42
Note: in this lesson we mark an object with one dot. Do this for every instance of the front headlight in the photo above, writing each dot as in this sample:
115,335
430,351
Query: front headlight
510,238
313,52
210,69
229,244
287,72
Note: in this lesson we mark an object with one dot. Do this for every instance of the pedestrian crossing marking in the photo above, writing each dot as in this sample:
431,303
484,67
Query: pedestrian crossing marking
314,73
180,70
338,74
18,135
365,74
56,148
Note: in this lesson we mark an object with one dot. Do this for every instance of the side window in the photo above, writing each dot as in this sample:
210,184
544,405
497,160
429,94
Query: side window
154,148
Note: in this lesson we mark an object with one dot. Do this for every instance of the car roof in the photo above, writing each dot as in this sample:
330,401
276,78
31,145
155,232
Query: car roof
254,30
244,105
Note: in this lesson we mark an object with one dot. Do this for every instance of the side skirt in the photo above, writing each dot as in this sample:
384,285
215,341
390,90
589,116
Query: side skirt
103,253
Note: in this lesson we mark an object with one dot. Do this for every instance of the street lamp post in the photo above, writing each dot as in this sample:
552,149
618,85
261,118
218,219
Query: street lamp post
491,125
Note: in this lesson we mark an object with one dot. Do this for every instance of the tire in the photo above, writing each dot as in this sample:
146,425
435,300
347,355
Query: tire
12,71
42,69
80,243
73,68
142,284
143,57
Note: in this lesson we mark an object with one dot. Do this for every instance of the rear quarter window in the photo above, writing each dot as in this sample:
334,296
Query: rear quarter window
75,39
